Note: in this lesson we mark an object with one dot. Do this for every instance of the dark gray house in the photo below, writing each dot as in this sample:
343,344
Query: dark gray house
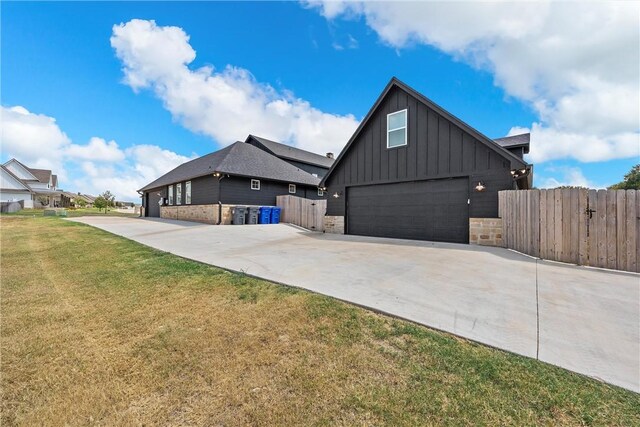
204,189
413,170
313,163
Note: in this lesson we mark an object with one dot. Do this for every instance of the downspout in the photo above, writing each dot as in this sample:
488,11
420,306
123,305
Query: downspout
220,178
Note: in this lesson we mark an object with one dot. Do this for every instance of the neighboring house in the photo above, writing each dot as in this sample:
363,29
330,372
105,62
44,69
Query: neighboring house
205,188
41,183
413,170
68,199
13,189
313,163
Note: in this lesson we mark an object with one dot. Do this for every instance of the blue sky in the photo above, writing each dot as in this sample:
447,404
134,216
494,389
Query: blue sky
60,62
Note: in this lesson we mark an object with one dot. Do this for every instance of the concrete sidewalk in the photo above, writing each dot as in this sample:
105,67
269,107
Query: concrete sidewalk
589,319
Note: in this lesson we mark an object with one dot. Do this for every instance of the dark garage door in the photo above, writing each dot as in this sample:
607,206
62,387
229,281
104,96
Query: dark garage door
424,210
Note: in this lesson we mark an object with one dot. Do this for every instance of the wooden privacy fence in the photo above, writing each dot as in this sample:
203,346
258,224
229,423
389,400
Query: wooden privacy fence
306,213
599,228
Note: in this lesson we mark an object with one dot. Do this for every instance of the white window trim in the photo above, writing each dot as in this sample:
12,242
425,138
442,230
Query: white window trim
292,186
187,193
170,195
179,199
256,181
406,122
320,192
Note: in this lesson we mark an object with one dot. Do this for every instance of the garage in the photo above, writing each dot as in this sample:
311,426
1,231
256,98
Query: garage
435,210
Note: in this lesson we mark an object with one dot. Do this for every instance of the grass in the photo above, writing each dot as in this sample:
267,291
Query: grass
99,330
71,212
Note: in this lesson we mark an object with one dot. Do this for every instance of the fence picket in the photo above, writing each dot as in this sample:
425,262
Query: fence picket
583,219
611,229
601,227
631,225
621,230
592,229
542,212
574,239
535,223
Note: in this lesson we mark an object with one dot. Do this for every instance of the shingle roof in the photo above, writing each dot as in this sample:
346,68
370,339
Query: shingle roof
43,175
237,159
86,197
514,140
292,153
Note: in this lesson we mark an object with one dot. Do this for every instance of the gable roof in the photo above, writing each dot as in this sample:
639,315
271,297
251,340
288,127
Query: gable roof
24,167
522,140
285,151
516,162
238,159
43,175
19,181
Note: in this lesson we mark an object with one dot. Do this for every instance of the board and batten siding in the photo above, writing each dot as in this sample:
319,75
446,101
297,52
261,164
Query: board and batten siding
436,148
237,191
233,190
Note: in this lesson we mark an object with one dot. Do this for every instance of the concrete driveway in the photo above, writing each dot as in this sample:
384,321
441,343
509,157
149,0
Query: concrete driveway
585,320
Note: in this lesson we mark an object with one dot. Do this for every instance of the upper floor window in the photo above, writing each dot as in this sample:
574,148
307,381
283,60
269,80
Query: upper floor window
397,129
171,194
255,184
292,188
187,193
178,194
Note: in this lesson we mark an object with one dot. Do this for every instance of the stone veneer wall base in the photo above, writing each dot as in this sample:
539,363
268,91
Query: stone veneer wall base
485,231
333,224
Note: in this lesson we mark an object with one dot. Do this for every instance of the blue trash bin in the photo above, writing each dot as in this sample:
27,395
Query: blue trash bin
275,215
265,215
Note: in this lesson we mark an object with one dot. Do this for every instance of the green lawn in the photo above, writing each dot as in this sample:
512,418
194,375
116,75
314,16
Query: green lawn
71,212
99,330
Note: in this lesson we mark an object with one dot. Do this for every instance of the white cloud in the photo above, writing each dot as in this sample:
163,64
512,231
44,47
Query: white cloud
575,63
37,141
96,149
226,104
569,176
34,139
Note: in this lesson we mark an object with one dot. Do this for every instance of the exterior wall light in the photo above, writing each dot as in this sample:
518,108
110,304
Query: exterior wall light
337,194
480,187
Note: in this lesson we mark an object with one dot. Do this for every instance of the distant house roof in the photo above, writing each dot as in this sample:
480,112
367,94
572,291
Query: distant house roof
18,180
522,140
285,151
43,175
87,198
238,159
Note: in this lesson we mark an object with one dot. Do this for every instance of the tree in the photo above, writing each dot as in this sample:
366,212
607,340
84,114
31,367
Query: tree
100,203
109,199
79,202
631,180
